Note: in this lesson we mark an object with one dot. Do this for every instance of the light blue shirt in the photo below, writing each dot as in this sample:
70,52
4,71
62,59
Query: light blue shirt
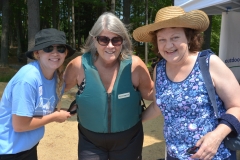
27,94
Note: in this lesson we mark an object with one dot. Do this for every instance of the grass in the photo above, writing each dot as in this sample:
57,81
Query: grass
6,73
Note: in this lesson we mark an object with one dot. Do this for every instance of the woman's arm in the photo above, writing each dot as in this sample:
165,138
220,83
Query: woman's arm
152,110
141,78
23,123
227,86
228,90
74,73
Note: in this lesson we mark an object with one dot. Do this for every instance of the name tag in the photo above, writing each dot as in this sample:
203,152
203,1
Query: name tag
124,95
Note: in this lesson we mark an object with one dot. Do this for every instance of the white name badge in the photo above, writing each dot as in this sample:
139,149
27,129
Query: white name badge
124,95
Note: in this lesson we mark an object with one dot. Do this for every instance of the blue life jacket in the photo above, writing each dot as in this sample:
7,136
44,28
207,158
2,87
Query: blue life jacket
101,112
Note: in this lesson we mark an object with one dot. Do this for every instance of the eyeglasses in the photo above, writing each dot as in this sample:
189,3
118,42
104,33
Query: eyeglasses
104,41
60,49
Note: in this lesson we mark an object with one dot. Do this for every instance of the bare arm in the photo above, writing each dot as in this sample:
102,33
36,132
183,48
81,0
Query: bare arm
226,85
74,73
141,78
23,124
228,90
152,110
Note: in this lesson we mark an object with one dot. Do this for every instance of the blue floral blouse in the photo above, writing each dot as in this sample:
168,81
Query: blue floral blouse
188,114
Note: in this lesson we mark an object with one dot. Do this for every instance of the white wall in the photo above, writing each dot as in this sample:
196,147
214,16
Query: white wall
229,46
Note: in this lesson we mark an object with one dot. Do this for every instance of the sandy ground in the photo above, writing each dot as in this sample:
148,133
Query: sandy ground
60,140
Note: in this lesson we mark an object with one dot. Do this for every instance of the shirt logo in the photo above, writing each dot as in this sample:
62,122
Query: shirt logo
124,95
40,91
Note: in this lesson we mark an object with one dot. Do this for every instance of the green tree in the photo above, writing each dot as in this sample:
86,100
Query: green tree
5,33
33,21
215,36
76,18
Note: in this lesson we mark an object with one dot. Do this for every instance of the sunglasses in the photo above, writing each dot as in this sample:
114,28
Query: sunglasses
192,150
104,41
73,107
60,49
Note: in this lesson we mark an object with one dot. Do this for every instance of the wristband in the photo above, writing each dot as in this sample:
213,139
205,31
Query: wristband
232,122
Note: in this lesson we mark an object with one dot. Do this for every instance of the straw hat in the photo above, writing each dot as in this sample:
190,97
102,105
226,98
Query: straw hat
173,16
47,37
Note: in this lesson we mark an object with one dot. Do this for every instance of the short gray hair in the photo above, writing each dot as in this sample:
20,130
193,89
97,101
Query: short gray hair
113,24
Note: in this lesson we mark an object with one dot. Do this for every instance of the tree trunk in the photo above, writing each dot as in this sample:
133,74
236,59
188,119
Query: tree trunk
11,35
126,11
33,22
19,33
55,8
207,35
5,33
19,44
79,37
104,9
69,23
73,26
146,44
113,6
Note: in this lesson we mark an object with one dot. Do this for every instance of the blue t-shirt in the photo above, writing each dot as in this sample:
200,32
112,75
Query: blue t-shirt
188,114
27,94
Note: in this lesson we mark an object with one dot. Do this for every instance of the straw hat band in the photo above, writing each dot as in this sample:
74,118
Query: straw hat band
172,16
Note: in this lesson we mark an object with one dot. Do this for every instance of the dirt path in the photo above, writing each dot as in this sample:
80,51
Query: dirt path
61,139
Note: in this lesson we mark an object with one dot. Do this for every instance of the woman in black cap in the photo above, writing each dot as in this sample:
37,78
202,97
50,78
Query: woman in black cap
31,96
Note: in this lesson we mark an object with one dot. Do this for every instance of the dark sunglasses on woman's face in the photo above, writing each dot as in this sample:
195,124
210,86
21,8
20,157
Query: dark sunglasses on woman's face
60,49
104,41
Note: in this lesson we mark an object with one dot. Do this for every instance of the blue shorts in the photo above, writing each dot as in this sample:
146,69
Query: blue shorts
125,145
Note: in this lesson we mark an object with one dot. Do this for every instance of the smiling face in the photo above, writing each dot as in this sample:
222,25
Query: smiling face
51,61
172,44
108,53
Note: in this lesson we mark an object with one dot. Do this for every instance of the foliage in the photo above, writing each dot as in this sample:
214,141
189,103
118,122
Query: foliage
86,13
7,73
138,19
215,35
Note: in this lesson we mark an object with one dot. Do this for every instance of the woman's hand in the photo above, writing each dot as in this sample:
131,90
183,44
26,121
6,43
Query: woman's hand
61,116
209,144
23,123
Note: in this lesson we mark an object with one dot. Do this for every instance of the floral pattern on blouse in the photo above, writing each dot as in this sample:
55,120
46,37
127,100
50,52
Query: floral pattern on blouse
188,114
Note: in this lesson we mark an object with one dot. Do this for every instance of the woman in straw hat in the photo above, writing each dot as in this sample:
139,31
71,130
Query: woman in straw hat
191,130
111,82
31,96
